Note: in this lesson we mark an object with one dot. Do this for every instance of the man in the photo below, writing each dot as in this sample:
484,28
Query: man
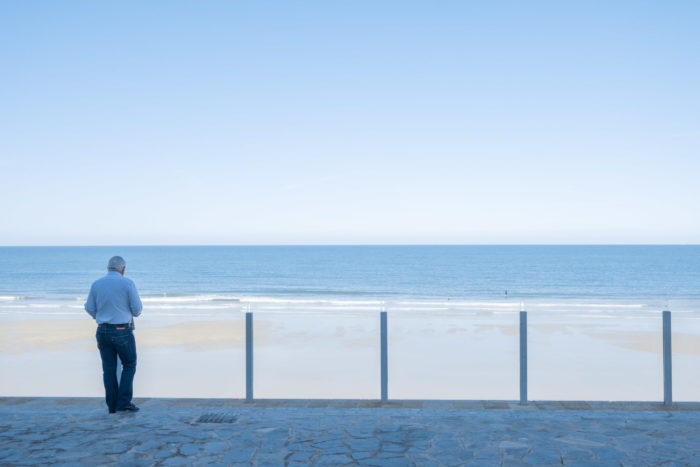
113,302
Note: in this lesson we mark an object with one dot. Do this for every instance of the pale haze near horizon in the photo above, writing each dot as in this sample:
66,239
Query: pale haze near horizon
357,122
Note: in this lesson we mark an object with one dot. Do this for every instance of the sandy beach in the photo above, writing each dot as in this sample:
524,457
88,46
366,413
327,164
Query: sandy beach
321,354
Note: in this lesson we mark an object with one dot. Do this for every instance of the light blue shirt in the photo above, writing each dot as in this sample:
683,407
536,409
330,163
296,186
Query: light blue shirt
113,299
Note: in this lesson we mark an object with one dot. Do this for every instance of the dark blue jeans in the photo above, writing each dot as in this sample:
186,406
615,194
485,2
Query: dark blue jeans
113,342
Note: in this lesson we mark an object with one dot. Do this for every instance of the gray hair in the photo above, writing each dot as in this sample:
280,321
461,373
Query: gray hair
116,263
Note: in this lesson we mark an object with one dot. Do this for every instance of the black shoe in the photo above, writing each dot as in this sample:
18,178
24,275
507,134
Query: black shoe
128,408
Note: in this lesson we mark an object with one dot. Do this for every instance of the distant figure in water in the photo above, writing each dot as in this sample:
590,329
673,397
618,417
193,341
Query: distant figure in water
506,294
113,302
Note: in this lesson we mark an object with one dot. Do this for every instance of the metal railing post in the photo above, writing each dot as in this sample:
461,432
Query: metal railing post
249,356
384,357
523,357
668,373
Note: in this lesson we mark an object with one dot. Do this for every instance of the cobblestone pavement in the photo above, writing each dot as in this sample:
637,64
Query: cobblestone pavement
75,431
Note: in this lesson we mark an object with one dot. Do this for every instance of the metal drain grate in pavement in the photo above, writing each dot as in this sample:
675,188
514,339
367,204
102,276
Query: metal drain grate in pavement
213,417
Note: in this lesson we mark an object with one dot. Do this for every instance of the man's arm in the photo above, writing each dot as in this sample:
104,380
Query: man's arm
134,300
91,304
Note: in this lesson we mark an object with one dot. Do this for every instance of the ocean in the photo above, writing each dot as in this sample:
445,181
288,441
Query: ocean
396,278
367,276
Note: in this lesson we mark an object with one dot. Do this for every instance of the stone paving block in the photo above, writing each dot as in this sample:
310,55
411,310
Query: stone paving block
421,460
388,428
398,462
195,433
389,455
72,443
490,453
392,447
67,464
515,453
543,457
205,461
40,453
363,444
271,457
176,439
224,433
419,435
299,447
328,444
417,449
333,460
361,455
578,454
513,462
303,438
300,456
275,432
113,447
32,437
22,460
189,449
338,450
446,444
589,463
17,448
450,459
484,463
149,446
580,442
607,452
272,445
163,454
133,455
239,455
174,461
323,439
242,441
364,430
135,463
215,447
393,437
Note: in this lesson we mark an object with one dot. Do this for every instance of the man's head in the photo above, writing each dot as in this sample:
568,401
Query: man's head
116,263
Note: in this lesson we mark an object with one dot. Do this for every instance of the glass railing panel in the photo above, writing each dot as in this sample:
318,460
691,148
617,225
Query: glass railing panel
685,326
48,348
602,353
191,350
186,347
316,354
453,354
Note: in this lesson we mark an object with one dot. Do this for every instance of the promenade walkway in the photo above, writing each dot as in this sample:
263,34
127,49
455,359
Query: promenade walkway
78,431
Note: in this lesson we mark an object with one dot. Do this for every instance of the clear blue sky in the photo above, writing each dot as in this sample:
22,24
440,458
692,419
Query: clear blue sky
223,122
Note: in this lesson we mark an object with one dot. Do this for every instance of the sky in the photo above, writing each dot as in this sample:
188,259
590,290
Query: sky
362,122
